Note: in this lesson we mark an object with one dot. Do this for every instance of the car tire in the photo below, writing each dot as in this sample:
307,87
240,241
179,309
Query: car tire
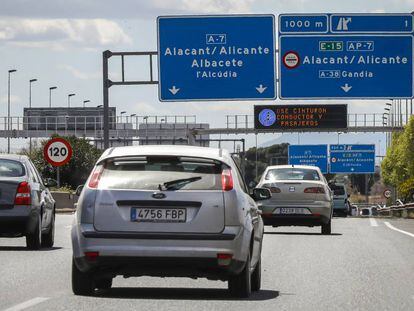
257,276
34,239
82,282
240,284
48,239
103,284
326,228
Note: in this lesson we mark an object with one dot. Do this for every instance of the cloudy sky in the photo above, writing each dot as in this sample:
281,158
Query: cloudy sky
60,43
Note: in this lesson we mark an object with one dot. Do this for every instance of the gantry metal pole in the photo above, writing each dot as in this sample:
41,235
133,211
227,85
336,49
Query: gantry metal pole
105,55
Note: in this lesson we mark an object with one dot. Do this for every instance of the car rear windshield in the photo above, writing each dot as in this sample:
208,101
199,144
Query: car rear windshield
365,212
292,173
337,190
161,173
11,168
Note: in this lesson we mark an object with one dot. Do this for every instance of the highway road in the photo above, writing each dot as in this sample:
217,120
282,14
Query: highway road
365,265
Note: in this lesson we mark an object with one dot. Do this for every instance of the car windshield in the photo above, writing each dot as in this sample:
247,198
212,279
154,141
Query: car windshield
337,190
161,173
11,168
292,173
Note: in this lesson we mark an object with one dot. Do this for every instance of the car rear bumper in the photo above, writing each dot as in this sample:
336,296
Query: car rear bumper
111,266
160,254
319,213
295,220
15,221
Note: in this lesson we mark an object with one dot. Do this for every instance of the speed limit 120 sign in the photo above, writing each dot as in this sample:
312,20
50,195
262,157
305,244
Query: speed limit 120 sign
57,151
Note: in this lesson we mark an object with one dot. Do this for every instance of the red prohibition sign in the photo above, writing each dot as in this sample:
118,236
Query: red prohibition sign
57,151
291,59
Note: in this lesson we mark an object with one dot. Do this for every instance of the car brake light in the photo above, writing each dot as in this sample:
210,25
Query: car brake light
226,180
314,190
96,176
91,256
271,188
23,194
224,259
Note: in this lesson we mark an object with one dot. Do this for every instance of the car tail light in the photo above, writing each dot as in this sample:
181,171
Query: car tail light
23,194
271,188
96,176
314,190
91,256
224,259
226,180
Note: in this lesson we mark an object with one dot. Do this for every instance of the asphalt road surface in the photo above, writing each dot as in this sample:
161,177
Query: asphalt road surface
366,264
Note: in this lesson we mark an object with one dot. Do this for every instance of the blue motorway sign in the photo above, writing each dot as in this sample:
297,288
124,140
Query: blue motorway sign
316,155
216,57
357,159
330,56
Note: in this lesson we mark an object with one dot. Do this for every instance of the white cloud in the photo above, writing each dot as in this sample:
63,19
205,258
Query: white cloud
214,6
58,33
81,74
14,99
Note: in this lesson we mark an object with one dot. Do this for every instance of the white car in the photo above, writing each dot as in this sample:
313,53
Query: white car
300,197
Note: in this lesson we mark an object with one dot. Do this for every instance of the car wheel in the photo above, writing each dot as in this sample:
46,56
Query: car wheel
103,284
82,282
240,285
34,239
48,239
257,276
326,228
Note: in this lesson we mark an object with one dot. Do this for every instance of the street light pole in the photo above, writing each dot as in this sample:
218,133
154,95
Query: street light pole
69,96
30,106
50,95
8,110
85,101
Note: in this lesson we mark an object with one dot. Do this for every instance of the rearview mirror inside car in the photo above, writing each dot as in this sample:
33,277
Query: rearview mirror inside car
79,190
261,194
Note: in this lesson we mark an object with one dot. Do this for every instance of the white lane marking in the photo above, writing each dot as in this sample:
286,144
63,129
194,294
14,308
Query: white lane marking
373,222
27,304
399,230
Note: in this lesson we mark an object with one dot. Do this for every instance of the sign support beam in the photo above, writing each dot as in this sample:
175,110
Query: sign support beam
107,83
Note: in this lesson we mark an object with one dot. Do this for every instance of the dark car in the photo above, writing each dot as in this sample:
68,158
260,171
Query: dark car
26,206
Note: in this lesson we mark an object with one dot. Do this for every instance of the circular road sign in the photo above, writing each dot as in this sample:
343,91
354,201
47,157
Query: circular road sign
291,59
267,117
333,160
57,151
387,193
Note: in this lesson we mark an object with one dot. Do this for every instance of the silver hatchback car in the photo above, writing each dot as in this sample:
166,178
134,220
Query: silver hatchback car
178,211
27,207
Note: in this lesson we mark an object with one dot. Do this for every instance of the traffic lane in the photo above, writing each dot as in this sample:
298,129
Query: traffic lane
27,274
359,267
402,224
352,269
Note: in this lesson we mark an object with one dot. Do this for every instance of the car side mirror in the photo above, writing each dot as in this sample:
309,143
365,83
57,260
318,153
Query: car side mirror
50,182
79,190
260,194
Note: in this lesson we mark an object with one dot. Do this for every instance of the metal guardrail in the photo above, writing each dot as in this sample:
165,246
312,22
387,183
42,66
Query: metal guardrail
401,211
87,126
355,120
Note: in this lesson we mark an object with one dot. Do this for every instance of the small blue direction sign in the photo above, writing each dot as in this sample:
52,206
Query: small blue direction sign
216,57
329,56
315,155
357,159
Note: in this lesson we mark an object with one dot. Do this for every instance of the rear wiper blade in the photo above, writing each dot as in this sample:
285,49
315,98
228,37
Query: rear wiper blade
179,183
